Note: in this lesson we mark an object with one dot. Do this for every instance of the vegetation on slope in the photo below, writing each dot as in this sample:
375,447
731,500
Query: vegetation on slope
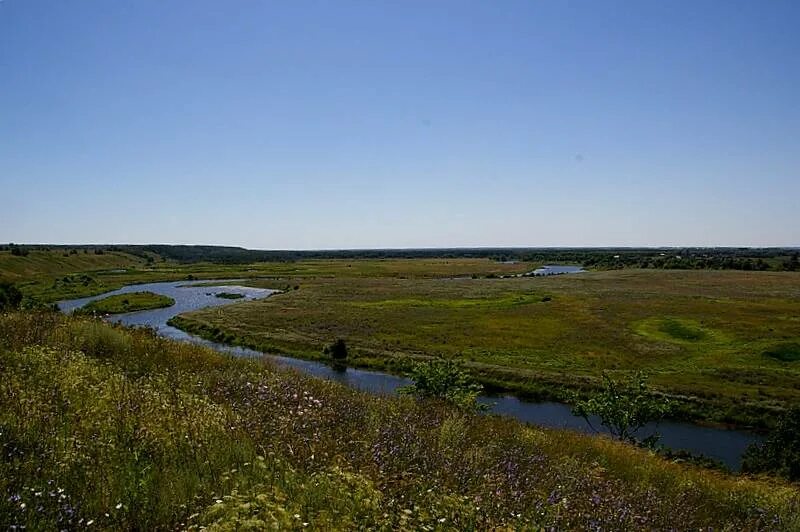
120,303
125,430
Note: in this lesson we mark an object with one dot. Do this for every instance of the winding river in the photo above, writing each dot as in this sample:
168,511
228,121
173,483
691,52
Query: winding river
724,445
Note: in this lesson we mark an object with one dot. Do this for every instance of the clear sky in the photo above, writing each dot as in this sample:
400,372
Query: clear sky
337,124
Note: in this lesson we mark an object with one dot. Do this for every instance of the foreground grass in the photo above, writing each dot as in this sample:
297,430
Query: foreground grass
122,429
132,302
723,344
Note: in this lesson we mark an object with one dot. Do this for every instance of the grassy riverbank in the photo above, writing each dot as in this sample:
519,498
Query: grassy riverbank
131,302
128,430
719,342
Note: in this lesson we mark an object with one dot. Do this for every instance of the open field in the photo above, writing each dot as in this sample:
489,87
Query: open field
120,429
722,342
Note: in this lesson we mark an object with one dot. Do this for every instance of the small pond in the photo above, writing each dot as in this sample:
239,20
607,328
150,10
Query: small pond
555,269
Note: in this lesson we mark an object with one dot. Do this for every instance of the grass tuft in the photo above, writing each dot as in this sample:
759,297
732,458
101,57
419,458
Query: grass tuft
788,352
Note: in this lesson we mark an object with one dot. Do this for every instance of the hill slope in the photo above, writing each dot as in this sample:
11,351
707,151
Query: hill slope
127,430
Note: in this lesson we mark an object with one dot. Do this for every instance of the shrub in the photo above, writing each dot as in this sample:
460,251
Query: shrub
337,350
624,408
10,296
446,380
780,453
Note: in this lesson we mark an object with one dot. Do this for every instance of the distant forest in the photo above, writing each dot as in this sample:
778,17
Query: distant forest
749,259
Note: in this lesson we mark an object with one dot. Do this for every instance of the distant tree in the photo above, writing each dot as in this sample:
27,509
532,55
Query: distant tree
793,264
624,407
446,380
10,296
19,251
779,454
337,350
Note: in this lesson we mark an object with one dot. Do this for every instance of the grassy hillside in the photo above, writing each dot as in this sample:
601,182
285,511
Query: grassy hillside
722,342
48,276
40,264
120,429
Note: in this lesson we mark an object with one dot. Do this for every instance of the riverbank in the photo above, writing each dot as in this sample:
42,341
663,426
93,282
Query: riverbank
705,338
496,381
175,435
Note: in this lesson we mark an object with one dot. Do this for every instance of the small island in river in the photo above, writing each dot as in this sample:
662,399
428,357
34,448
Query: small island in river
229,295
122,303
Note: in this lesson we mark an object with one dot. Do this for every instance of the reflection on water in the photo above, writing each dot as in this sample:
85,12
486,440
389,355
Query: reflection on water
554,269
726,446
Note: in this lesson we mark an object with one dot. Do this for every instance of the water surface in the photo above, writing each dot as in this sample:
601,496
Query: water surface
555,269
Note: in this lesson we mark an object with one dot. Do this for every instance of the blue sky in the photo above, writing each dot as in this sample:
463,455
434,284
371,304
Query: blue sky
400,124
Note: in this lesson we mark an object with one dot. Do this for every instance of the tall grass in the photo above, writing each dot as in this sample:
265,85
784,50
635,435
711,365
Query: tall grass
125,430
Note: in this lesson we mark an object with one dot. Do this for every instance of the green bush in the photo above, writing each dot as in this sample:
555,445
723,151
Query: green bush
337,350
780,453
10,296
625,407
446,380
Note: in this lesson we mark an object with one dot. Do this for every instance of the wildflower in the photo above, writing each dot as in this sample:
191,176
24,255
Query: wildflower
118,506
